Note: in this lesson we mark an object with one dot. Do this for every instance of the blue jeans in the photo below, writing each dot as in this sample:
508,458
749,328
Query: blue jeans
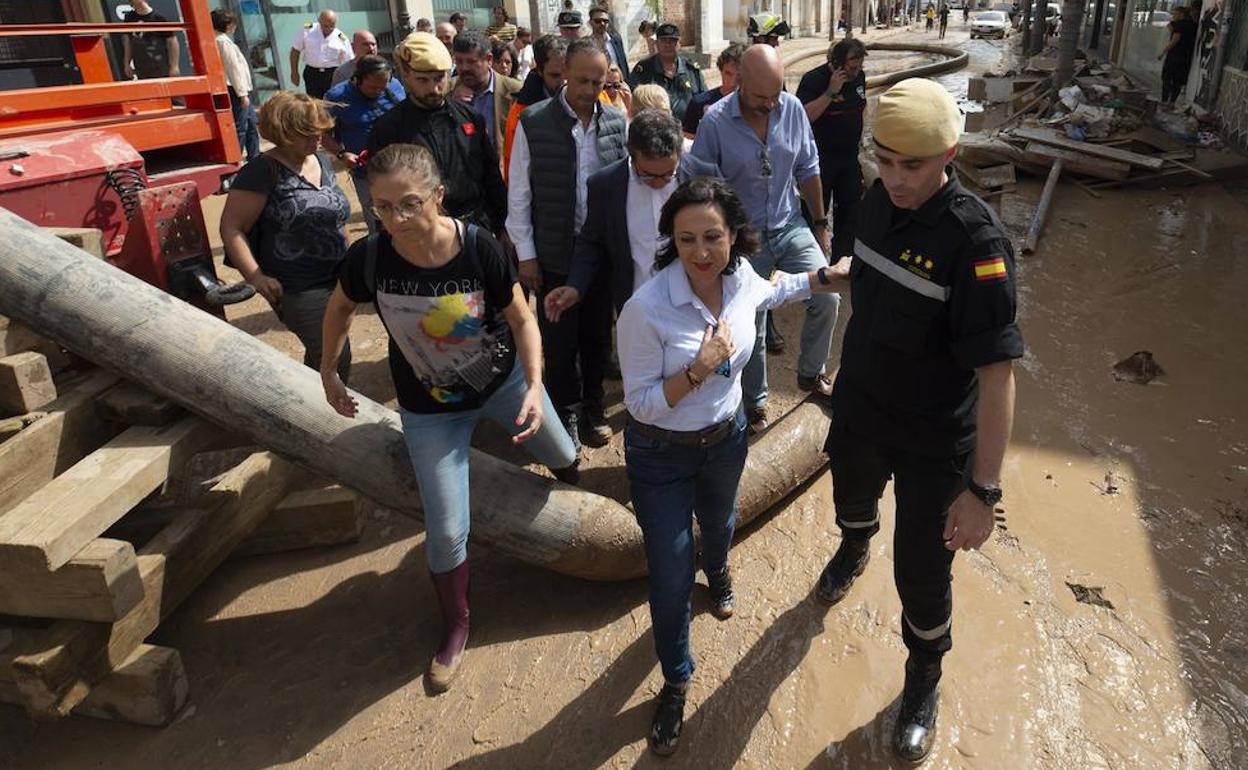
791,249
247,124
439,445
670,484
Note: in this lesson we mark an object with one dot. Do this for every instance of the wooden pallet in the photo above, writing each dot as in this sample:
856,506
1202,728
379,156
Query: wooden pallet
95,552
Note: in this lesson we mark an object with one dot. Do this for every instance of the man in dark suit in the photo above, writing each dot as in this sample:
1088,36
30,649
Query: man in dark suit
615,248
609,39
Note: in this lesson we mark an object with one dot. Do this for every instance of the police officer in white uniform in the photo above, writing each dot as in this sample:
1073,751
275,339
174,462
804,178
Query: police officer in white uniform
324,48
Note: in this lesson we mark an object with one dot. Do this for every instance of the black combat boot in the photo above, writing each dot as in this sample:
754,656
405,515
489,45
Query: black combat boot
920,701
847,563
722,599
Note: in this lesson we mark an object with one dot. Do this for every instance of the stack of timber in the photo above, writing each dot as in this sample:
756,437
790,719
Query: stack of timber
96,547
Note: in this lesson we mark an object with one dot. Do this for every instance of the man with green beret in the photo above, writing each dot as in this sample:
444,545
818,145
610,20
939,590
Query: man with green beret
925,392
680,77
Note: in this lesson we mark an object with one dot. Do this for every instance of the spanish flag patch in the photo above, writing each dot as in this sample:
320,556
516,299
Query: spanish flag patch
990,269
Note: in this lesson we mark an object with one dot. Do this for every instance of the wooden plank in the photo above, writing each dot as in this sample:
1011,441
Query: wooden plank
304,519
992,177
25,383
19,338
100,583
1076,162
148,688
52,525
135,405
49,447
72,656
1042,209
1051,137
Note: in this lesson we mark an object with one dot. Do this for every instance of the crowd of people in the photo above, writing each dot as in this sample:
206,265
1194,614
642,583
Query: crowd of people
496,170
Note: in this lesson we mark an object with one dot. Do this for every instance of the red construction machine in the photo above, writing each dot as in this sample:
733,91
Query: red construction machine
131,158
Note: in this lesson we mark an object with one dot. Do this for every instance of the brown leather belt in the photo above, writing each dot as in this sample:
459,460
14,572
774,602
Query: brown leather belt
708,436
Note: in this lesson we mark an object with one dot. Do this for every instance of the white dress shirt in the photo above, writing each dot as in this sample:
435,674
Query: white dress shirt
520,194
660,331
320,51
237,72
524,62
642,208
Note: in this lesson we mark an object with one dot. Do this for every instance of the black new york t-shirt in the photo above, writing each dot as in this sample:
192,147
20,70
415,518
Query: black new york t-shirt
839,128
450,345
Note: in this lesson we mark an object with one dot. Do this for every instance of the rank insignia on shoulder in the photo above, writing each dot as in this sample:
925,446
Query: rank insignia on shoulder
990,269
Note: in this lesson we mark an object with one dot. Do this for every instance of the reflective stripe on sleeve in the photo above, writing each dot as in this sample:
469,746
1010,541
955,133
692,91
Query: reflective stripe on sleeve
900,274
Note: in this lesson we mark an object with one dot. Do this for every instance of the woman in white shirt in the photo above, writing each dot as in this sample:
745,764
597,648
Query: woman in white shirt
683,339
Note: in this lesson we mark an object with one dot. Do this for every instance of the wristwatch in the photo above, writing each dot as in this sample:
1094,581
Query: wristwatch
820,222
823,276
341,153
989,495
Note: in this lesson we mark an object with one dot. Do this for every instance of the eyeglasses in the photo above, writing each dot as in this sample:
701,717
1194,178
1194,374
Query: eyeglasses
612,87
764,160
664,178
407,208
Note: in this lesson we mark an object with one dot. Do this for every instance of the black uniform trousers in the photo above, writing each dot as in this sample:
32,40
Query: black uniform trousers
317,80
924,488
841,175
576,350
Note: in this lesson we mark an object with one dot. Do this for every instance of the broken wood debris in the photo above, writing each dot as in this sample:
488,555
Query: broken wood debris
89,568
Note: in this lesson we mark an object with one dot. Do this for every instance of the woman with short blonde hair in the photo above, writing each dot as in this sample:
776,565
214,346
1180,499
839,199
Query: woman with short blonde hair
650,96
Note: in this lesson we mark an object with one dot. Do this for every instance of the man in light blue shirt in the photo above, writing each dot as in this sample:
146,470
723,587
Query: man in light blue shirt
762,142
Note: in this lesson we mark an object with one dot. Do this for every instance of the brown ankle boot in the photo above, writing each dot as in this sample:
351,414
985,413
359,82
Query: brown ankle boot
452,590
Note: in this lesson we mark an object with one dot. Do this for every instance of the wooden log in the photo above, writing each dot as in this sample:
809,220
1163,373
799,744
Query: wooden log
239,382
1050,137
50,446
1042,209
100,583
149,688
134,405
304,519
25,383
1076,162
72,656
227,376
49,527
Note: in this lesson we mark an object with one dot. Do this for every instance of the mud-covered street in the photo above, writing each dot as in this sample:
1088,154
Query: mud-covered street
1107,627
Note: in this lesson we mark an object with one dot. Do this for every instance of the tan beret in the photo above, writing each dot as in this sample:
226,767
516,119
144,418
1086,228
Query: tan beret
422,52
917,117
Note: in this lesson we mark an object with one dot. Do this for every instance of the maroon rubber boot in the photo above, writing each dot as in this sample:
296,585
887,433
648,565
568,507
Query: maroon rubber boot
452,590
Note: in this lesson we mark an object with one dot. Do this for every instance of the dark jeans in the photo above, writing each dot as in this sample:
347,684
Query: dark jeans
303,312
842,189
670,485
577,348
1173,78
924,489
247,124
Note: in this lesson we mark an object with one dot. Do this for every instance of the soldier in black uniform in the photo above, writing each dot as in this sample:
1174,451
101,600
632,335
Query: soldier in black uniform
680,77
925,392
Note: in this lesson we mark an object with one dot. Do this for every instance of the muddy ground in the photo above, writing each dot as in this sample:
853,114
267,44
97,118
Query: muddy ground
1133,498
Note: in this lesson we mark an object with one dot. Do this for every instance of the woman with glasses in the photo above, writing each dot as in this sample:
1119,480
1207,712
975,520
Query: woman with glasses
463,346
684,337
283,219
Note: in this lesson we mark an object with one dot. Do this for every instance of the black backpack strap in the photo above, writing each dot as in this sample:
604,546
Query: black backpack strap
370,263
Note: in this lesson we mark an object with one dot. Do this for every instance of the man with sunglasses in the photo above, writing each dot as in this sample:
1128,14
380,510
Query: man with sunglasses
680,77
609,39
761,140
